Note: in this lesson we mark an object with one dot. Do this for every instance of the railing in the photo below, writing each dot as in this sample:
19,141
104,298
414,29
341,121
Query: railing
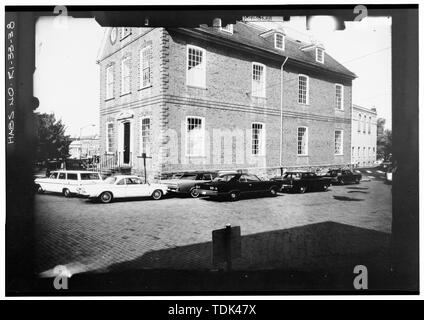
111,163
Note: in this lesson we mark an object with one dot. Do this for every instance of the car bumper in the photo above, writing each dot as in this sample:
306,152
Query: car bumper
286,187
210,193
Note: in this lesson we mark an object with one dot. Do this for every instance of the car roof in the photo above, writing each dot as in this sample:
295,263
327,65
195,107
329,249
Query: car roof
73,171
120,176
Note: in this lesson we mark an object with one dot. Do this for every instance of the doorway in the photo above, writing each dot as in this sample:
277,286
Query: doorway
127,142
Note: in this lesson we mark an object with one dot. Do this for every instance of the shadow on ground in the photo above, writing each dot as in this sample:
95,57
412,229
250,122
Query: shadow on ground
313,257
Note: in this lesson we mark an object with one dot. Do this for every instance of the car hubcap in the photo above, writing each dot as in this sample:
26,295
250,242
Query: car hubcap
194,193
156,195
233,196
106,197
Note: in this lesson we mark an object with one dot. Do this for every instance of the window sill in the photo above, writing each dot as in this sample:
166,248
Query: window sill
303,155
338,154
258,155
125,94
259,97
146,87
123,38
195,156
196,87
109,99
337,109
304,104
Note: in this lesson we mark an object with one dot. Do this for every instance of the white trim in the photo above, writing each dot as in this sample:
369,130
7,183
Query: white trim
203,86
141,61
261,142
306,144
262,94
307,88
275,41
316,54
342,96
341,142
202,119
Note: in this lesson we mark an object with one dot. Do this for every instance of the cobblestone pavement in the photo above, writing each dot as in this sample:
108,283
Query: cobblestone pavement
175,233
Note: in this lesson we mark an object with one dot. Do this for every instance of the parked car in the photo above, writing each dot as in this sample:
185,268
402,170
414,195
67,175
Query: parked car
233,185
185,183
342,176
123,186
300,181
66,181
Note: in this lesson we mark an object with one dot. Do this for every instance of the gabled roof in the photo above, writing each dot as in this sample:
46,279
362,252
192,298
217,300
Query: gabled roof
245,34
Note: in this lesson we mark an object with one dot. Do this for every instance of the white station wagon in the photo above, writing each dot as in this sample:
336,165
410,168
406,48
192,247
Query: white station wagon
123,186
67,181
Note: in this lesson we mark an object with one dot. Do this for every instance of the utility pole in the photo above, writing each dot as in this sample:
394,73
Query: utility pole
144,157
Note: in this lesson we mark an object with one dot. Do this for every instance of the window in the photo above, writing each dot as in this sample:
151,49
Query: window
258,139
252,178
62,175
369,152
90,176
145,136
72,176
319,55
109,82
279,41
53,175
302,141
196,67
339,96
195,140
359,152
145,67
125,76
369,125
303,89
109,137
364,126
125,32
359,122
338,142
258,80
228,28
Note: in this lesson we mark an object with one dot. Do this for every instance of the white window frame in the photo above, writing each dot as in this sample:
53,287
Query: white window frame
341,96
307,89
306,135
261,140
123,77
228,28
107,136
283,41
359,122
110,92
341,142
317,56
256,93
141,71
203,80
369,125
203,132
141,135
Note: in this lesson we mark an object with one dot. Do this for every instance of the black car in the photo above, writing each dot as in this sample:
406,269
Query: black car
233,185
186,182
302,182
342,176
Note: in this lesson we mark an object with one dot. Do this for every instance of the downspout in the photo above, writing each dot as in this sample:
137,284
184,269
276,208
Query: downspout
281,114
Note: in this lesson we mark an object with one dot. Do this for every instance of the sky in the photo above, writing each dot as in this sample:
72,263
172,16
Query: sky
66,80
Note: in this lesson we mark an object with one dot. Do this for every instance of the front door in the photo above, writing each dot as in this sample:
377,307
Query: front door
127,130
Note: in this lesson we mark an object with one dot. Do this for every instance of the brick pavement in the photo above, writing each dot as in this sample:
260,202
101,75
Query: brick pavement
289,231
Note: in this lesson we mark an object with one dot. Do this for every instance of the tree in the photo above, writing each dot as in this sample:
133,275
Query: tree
384,140
52,142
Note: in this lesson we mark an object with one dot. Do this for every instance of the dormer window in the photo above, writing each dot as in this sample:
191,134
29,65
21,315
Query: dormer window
279,41
319,55
228,28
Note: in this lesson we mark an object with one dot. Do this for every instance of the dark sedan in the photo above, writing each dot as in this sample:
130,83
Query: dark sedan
342,176
302,182
235,185
185,183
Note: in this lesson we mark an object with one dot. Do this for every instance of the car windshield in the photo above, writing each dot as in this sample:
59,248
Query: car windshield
227,177
90,176
189,176
110,180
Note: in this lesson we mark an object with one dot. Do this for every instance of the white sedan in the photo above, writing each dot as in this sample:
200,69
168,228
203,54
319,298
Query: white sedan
123,187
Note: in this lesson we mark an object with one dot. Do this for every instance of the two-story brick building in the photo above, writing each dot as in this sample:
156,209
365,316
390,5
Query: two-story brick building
222,98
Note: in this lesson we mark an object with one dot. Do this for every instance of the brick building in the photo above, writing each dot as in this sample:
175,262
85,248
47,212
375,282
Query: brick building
222,98
364,136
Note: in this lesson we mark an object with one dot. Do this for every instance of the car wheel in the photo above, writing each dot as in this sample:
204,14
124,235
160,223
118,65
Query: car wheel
194,193
325,187
302,189
234,195
157,194
357,181
341,181
273,191
106,197
40,189
66,193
